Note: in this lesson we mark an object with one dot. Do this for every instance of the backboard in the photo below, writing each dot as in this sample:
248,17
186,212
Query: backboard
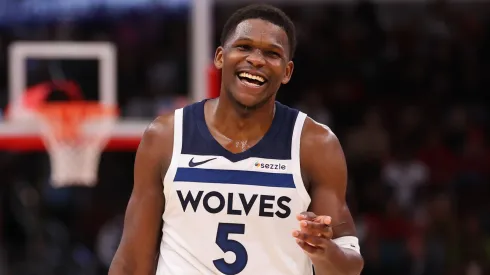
18,134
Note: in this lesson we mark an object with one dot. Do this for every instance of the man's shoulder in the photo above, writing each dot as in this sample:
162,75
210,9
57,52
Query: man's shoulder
162,125
317,133
159,133
320,148
319,142
314,133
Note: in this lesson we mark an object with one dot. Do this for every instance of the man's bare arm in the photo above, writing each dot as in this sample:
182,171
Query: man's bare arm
325,169
137,249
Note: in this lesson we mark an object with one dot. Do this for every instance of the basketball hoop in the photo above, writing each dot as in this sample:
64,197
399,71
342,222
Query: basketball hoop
75,133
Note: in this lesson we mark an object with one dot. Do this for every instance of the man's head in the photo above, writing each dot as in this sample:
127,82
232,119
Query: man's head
257,46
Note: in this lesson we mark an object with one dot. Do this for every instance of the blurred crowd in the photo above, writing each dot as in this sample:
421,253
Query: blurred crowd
402,85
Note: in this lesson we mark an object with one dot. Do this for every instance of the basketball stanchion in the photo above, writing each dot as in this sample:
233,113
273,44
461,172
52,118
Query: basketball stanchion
75,133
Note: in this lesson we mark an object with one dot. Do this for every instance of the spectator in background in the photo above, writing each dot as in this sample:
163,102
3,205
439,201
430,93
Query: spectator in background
312,104
439,231
390,229
368,142
473,245
439,159
405,175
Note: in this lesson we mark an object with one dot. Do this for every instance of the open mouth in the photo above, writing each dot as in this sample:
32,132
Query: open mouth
251,80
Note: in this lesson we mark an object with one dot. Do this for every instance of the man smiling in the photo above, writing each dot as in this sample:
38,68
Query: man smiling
250,186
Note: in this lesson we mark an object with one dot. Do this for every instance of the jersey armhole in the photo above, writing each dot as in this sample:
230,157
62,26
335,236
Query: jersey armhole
177,148
296,159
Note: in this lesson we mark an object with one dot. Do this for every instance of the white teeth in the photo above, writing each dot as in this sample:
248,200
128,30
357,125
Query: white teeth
252,84
250,76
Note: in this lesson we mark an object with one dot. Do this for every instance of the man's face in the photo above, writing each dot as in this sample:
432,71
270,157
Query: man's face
254,62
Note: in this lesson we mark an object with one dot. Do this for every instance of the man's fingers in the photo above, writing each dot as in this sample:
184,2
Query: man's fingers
312,240
325,219
308,248
316,228
306,216
310,216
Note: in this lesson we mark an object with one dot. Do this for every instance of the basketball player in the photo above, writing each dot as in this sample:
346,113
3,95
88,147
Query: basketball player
245,184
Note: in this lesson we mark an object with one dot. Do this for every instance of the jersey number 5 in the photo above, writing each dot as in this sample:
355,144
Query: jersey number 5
226,244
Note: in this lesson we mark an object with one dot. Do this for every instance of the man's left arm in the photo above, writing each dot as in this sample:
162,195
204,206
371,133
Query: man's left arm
327,232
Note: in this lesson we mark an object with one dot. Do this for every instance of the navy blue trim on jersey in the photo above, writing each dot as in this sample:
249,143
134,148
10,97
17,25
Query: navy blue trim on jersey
276,143
234,177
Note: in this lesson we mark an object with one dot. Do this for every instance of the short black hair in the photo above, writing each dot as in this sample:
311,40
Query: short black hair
265,12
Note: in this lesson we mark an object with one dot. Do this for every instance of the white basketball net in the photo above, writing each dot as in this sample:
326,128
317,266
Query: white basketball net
75,157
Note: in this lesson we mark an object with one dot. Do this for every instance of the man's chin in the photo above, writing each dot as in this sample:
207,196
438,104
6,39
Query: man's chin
250,103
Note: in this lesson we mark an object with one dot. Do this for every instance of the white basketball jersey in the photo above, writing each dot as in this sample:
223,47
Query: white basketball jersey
231,213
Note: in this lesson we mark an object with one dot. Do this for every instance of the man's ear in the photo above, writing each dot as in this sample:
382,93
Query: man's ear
289,72
218,58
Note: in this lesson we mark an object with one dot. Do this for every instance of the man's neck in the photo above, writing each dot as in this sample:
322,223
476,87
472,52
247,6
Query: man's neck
237,123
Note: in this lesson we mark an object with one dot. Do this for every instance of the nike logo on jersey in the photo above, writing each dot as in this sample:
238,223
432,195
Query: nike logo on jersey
194,164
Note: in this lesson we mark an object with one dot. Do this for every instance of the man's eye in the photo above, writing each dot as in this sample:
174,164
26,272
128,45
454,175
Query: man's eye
244,47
